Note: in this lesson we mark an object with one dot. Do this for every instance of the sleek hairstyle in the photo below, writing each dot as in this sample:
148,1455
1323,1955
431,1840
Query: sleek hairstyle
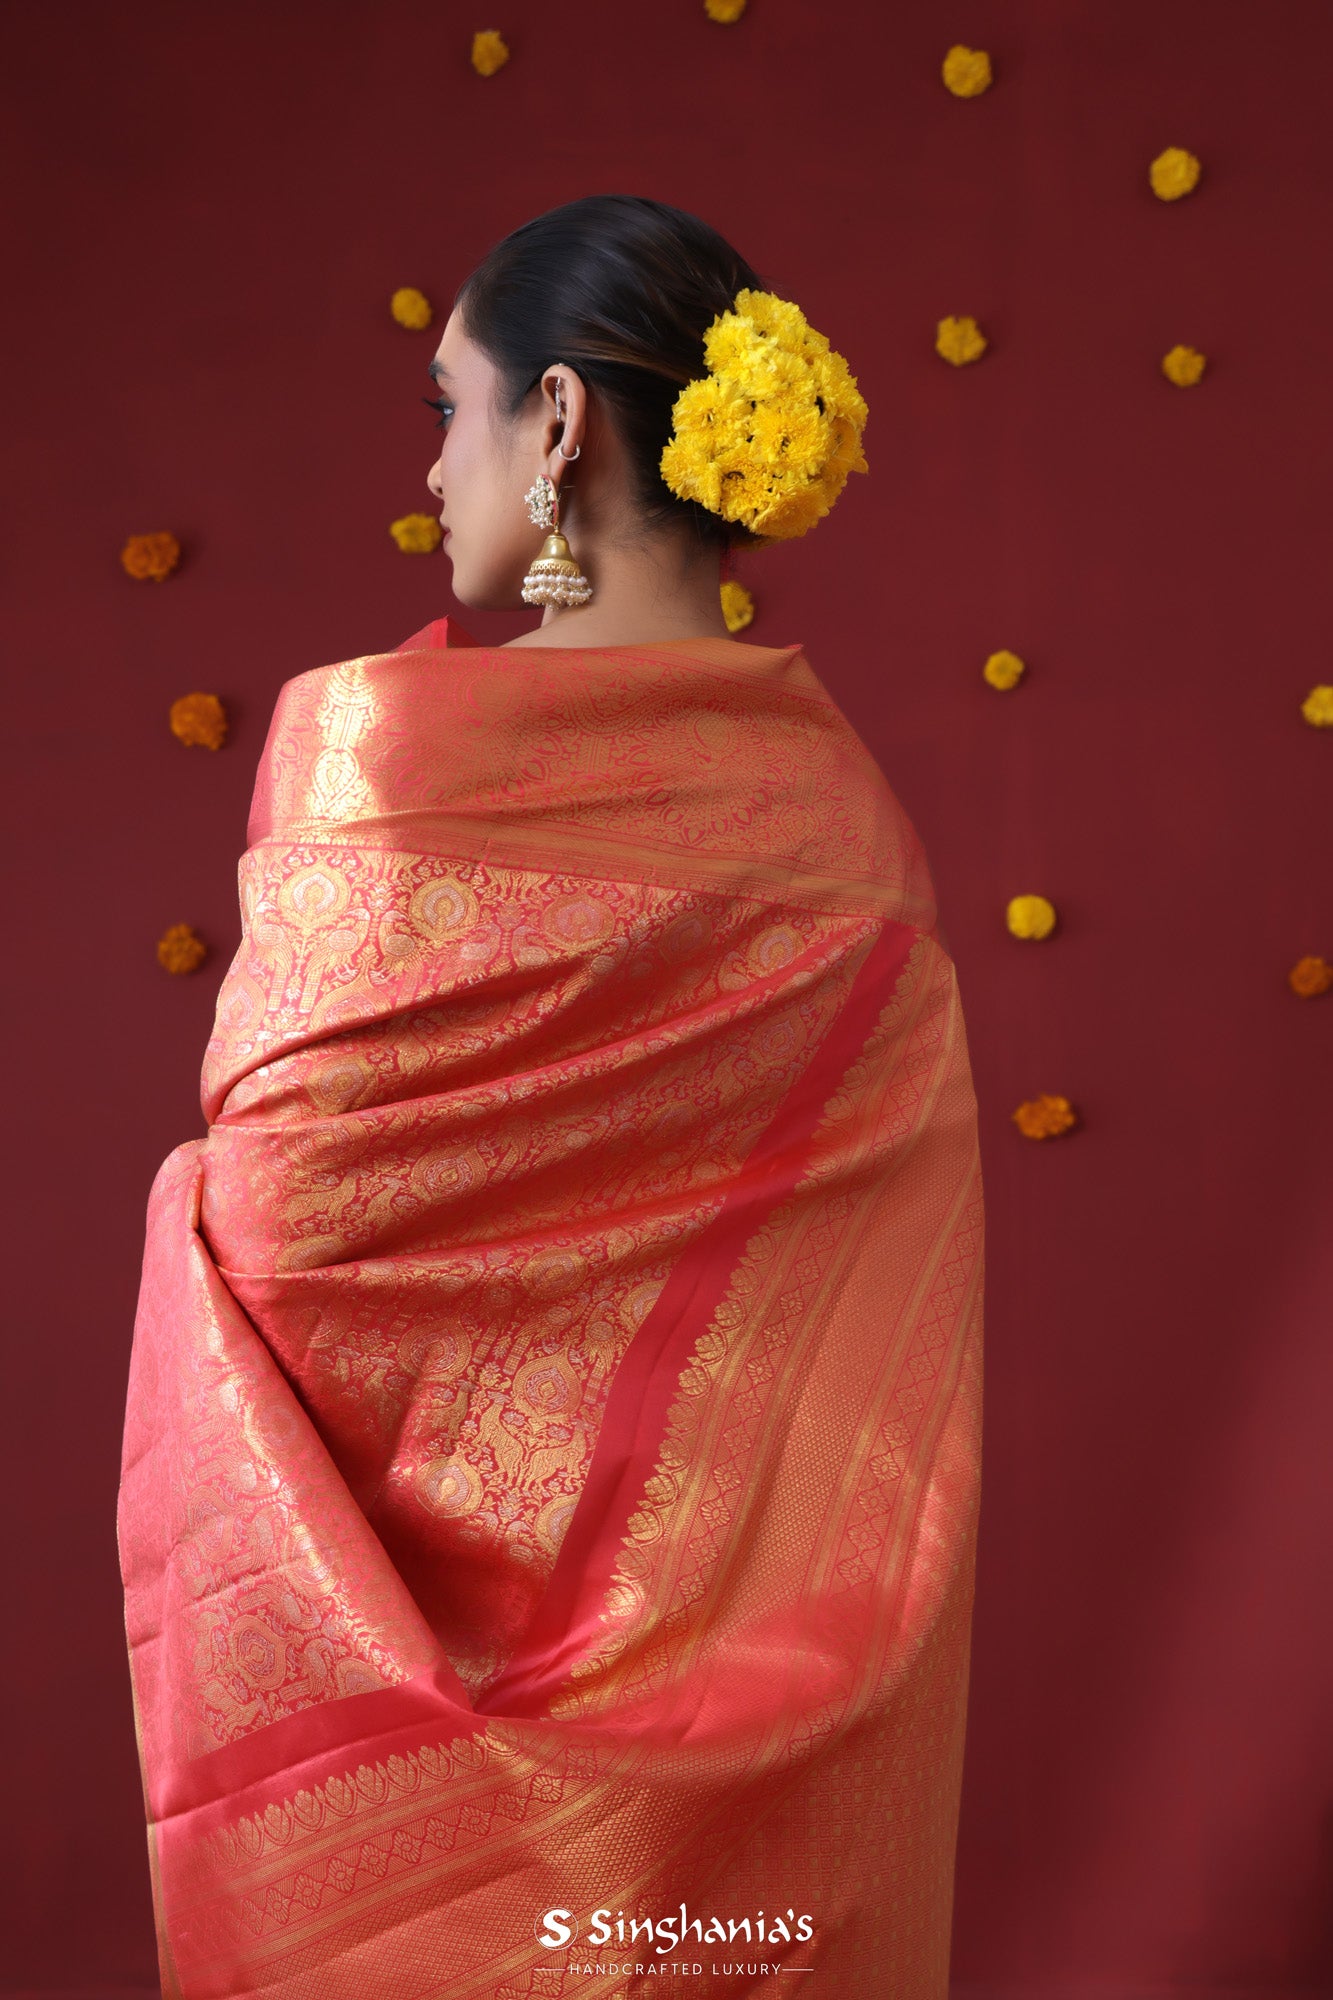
623,289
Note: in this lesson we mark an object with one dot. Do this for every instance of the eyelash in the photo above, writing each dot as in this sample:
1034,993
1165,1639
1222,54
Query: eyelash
438,403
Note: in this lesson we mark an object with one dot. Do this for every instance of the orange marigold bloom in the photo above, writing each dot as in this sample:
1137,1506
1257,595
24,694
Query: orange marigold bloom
959,339
966,72
201,719
724,10
150,556
1174,173
1317,708
417,534
411,308
737,606
181,949
1310,976
1004,669
1045,1117
1184,366
490,51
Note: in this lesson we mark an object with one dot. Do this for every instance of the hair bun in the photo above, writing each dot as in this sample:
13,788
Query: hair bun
768,436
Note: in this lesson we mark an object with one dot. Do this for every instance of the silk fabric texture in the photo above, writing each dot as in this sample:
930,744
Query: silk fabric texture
553,1444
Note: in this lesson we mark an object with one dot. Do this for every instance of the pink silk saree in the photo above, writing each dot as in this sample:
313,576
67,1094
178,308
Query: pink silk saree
552,1458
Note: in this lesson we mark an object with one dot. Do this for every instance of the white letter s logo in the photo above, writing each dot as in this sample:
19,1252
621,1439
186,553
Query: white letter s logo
557,1923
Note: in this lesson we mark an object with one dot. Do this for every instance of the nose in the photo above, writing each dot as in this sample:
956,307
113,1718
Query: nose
433,480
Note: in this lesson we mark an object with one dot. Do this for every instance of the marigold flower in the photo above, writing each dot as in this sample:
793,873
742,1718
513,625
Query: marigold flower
150,556
1030,916
737,606
411,308
417,534
966,72
1317,708
490,52
724,10
181,949
959,339
1004,669
1184,366
769,435
199,719
1044,1117
1173,173
1310,976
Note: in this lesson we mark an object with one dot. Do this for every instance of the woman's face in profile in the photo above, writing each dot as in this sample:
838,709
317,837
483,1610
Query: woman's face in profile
486,465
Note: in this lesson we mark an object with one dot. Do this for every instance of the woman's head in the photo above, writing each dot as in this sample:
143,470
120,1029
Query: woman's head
597,309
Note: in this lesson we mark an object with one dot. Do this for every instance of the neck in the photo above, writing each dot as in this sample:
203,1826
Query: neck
659,587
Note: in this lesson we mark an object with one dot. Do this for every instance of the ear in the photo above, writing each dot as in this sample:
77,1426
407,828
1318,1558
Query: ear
562,391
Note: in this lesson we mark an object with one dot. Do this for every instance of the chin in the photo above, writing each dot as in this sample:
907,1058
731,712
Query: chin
485,592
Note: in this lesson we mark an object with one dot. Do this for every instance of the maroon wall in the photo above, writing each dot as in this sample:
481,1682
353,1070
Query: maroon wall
213,206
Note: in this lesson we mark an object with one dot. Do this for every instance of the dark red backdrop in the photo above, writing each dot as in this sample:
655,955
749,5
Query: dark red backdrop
213,206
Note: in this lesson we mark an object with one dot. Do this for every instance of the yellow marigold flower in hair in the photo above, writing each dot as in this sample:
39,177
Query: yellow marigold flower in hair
1173,173
146,557
737,606
181,949
769,435
201,719
1184,366
1317,708
411,308
966,72
1030,916
490,52
1044,1117
959,339
417,534
1004,669
1310,976
724,10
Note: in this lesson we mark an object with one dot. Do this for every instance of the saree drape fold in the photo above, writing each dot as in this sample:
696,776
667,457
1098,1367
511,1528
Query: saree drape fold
553,1447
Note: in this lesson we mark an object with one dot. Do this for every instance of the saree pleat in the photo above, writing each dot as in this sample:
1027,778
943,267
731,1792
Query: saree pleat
552,1456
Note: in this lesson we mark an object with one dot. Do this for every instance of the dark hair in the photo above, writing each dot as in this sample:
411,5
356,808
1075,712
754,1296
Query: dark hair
623,289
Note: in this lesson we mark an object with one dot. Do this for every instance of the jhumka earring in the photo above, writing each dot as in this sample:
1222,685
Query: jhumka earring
554,577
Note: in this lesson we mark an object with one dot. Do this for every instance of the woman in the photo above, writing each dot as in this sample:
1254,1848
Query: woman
552,1459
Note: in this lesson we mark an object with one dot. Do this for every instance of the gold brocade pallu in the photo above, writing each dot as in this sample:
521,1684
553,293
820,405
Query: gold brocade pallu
551,1468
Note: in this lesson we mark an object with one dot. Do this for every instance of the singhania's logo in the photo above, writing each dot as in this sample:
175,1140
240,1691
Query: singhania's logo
555,1928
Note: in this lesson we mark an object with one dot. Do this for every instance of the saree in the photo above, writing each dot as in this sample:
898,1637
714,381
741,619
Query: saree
552,1454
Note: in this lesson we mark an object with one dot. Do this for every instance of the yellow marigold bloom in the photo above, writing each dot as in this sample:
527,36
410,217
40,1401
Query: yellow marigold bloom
1317,708
201,719
724,10
1310,977
1173,173
181,949
1004,669
737,606
959,339
769,435
1184,366
1044,1117
966,72
1030,916
411,308
417,534
490,52
150,556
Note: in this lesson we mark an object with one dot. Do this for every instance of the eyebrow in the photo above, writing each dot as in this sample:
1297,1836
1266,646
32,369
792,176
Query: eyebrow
440,374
